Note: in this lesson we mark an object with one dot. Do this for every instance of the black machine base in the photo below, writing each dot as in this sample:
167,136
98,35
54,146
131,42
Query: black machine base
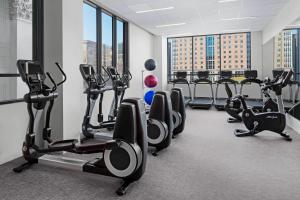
122,190
233,120
246,133
24,166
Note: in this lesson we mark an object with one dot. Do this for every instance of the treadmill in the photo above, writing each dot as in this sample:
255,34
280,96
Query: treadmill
251,78
225,77
290,102
202,102
181,78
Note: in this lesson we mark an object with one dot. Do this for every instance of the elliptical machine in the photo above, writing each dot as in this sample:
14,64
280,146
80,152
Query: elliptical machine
178,107
124,156
272,121
96,88
119,84
160,122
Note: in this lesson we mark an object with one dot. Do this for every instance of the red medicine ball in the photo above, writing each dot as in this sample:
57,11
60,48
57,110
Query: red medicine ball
151,81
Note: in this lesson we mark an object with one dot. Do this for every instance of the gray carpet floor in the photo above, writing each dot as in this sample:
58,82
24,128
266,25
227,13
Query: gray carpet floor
207,162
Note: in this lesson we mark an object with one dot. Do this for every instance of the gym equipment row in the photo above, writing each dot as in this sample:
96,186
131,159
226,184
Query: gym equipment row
123,154
202,78
255,123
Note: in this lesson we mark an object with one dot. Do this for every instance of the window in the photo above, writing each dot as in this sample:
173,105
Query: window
89,35
214,50
105,41
286,43
120,46
174,45
21,38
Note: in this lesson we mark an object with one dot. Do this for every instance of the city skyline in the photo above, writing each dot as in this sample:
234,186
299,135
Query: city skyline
210,52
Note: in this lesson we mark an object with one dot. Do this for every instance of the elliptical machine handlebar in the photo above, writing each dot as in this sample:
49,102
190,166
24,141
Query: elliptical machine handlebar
55,85
63,73
115,76
127,76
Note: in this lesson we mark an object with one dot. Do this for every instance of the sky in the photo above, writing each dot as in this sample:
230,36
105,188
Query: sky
89,23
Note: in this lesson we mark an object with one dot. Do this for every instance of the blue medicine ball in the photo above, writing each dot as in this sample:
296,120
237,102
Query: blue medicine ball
150,65
149,97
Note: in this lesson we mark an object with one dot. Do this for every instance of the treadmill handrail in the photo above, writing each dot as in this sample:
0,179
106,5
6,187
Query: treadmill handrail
183,81
251,80
226,80
223,81
202,81
180,81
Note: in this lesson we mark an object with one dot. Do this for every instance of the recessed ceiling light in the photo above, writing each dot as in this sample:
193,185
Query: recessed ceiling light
155,10
236,30
237,18
168,25
180,34
227,1
294,25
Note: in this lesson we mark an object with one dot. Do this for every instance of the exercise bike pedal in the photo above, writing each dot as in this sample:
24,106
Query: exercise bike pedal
62,145
242,133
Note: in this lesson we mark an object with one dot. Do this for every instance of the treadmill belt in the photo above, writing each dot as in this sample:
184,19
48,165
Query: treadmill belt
187,100
220,103
201,102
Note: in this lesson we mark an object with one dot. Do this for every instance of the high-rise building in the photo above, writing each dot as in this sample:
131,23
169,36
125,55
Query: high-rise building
106,55
284,49
235,51
210,52
181,56
89,52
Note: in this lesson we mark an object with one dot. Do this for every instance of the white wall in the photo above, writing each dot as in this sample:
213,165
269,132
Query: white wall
53,53
73,97
140,49
160,56
288,14
13,125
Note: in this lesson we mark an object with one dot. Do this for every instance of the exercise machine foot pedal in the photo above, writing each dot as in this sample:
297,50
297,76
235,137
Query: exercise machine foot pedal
62,145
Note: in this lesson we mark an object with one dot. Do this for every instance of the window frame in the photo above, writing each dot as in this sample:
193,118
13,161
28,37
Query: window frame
99,50
37,43
169,75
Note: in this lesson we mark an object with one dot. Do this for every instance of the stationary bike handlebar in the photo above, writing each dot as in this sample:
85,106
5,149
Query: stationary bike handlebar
279,81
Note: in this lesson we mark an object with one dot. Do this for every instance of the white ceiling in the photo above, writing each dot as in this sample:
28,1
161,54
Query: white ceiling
200,16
